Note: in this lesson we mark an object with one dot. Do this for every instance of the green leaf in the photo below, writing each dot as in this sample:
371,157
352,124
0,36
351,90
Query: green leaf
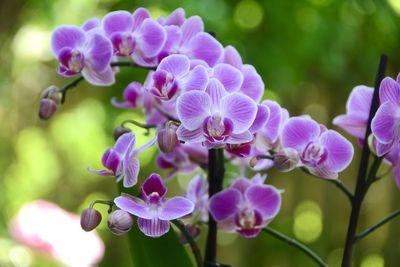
156,252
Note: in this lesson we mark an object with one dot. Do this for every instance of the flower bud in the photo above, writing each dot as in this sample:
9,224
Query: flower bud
52,92
193,231
120,131
167,139
120,222
286,159
253,162
47,108
90,219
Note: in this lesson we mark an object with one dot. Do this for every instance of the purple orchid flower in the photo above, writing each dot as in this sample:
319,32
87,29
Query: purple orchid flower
197,44
185,158
394,158
252,85
358,105
177,18
174,75
153,209
121,161
197,192
215,116
246,206
132,96
386,123
88,53
323,152
134,33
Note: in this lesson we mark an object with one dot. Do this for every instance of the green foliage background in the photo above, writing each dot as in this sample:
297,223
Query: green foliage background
310,53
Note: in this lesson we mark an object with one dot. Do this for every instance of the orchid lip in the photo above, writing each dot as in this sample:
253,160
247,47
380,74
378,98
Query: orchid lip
72,61
216,128
314,154
123,43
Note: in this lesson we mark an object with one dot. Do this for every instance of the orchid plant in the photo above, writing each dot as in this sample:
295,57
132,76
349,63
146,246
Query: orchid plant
206,108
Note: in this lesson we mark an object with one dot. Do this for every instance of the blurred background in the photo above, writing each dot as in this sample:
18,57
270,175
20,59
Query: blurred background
310,53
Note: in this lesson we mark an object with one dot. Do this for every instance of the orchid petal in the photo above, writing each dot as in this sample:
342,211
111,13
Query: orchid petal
175,208
204,46
298,132
153,227
240,109
67,36
177,65
266,199
384,123
134,206
224,204
192,108
117,21
229,76
339,151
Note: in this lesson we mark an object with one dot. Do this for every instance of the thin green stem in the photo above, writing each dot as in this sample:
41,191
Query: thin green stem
192,243
297,245
147,127
339,183
109,203
377,225
77,80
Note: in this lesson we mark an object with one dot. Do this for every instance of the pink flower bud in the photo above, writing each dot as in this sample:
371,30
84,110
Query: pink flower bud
120,222
286,159
52,92
90,219
120,131
193,231
167,138
47,108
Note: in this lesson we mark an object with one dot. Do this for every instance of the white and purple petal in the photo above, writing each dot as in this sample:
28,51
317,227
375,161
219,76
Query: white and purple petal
67,36
266,199
225,204
240,109
229,76
298,132
175,208
253,85
153,227
134,206
192,108
339,151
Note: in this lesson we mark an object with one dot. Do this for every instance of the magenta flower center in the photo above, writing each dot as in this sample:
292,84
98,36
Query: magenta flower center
217,128
123,44
314,154
72,60
165,85
154,198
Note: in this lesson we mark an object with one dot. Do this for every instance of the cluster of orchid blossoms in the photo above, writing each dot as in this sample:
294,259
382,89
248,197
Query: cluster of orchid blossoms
385,138
201,97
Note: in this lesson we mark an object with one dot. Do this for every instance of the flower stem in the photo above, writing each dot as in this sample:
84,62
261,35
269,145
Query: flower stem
296,244
192,243
339,183
147,127
361,185
377,225
215,179
77,80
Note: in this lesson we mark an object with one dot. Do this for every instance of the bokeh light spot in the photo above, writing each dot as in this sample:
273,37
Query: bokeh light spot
308,222
373,260
395,4
248,14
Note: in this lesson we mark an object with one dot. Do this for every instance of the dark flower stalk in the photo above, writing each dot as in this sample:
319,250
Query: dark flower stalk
216,172
361,185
